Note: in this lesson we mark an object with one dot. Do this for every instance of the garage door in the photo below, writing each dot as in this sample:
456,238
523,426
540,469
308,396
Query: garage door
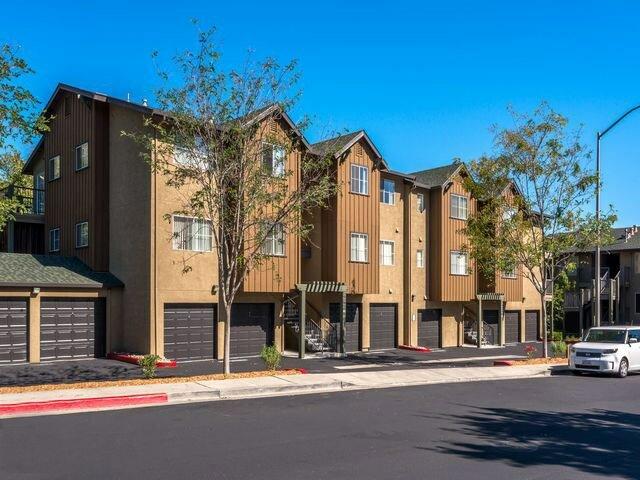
352,324
491,332
72,328
531,329
511,327
13,331
251,328
429,324
189,331
382,325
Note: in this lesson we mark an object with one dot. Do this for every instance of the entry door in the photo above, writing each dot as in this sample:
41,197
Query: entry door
429,327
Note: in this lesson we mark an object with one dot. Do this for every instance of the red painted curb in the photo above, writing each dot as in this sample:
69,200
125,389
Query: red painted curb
82,403
121,357
302,370
415,349
503,363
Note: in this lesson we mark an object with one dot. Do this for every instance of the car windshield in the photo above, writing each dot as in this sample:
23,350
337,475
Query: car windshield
605,336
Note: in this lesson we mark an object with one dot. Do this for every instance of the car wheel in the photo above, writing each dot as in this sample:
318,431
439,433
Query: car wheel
623,369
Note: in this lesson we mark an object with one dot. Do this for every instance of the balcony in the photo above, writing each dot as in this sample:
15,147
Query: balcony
30,200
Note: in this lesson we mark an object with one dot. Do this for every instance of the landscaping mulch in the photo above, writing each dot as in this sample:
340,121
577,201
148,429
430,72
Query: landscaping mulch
144,381
541,361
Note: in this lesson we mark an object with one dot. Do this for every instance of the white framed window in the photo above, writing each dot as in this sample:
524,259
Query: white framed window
387,252
459,207
54,240
511,273
190,156
273,159
388,191
458,263
82,156
54,168
274,242
420,202
82,234
191,233
359,247
359,179
420,258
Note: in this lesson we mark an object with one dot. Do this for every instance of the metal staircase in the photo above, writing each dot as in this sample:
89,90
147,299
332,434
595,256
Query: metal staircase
471,330
320,334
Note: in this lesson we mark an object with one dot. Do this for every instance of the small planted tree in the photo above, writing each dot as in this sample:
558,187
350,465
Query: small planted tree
547,218
217,139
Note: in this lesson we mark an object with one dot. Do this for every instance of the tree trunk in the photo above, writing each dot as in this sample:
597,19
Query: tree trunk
545,350
226,316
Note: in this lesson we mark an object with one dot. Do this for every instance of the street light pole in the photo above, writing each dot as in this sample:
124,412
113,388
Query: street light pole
599,136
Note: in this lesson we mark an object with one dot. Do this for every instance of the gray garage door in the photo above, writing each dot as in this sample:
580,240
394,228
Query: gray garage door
189,331
382,325
72,328
511,327
430,321
352,324
490,317
13,331
531,330
251,328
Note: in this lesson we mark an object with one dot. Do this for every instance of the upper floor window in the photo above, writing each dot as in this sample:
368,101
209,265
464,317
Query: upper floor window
459,207
82,156
420,202
274,241
511,273
420,258
458,263
359,247
359,179
54,240
82,234
388,191
54,167
387,252
194,234
184,155
273,159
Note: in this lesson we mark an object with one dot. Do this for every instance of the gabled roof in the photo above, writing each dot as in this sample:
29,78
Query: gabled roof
625,238
438,176
340,144
26,270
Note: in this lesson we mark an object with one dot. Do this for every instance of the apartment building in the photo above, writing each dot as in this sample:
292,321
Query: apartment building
619,284
112,276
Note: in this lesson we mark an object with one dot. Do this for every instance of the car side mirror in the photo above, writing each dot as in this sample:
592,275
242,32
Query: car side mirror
633,340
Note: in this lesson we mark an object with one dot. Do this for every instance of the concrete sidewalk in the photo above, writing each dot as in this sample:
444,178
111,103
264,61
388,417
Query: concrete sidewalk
74,400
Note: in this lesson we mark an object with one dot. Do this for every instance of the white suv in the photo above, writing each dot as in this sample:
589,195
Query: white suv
607,349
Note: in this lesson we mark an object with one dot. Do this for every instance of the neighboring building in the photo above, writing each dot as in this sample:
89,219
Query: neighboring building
619,281
391,240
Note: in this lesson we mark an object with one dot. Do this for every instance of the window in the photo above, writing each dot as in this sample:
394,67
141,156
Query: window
420,258
359,247
458,263
459,207
511,273
273,159
508,213
82,156
637,303
420,201
82,234
54,168
359,179
274,241
388,192
196,155
387,253
54,240
192,234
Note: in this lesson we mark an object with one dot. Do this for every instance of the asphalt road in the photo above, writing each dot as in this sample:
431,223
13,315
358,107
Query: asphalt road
560,428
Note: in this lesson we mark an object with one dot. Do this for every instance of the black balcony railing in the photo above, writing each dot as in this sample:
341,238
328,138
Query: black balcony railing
31,200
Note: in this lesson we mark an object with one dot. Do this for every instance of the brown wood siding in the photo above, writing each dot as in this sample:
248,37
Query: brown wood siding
435,262
78,196
280,274
329,247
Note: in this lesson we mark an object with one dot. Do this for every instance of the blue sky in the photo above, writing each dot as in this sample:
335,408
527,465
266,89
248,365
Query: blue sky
425,79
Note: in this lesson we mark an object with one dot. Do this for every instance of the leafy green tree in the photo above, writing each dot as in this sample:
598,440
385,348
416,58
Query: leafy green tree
213,142
19,123
548,217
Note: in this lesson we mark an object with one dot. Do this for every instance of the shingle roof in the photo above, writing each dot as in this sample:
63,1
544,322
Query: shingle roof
25,270
621,242
335,144
436,177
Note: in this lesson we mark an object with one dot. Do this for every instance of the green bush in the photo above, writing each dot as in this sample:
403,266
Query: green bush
559,349
148,364
271,357
557,336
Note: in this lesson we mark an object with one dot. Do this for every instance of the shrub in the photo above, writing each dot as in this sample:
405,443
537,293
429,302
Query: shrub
530,350
557,336
148,364
271,357
558,349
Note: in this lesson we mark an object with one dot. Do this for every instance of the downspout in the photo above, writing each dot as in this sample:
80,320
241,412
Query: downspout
154,268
